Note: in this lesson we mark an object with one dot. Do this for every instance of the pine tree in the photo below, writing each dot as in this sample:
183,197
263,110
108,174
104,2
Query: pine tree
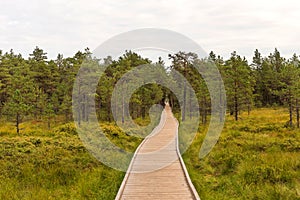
19,103
290,94
239,84
5,78
182,62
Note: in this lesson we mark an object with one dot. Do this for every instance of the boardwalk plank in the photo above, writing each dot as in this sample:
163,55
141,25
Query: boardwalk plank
157,171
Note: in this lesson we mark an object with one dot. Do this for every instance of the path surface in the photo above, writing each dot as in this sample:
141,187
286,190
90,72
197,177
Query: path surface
157,170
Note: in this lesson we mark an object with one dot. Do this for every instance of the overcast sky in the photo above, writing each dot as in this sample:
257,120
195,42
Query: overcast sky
66,26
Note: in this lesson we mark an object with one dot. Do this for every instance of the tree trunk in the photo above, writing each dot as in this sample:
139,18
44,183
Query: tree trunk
66,117
204,116
249,109
297,113
123,107
99,109
190,104
205,111
36,108
290,111
221,104
83,108
87,108
116,109
79,116
139,112
18,123
184,101
109,111
79,105
236,112
143,112
49,123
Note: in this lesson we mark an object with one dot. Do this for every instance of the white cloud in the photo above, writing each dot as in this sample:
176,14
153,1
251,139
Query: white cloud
71,25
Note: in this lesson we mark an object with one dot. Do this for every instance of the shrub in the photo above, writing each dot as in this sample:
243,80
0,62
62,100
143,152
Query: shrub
68,128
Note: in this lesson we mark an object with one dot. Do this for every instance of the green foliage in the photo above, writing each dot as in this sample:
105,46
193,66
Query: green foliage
47,85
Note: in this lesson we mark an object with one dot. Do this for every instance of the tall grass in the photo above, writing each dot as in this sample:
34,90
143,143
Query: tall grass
255,158
54,164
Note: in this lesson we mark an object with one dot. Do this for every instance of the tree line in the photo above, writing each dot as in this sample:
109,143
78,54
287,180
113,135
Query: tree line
265,82
41,89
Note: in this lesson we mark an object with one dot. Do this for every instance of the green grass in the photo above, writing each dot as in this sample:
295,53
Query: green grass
255,158
54,164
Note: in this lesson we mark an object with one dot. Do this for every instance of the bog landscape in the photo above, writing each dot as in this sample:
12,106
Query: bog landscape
42,156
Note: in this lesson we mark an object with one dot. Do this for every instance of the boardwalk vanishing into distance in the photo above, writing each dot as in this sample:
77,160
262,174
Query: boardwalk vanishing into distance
157,170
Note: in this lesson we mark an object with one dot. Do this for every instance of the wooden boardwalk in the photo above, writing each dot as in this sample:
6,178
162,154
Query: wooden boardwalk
157,170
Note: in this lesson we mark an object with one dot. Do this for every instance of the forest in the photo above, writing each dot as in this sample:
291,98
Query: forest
36,112
38,88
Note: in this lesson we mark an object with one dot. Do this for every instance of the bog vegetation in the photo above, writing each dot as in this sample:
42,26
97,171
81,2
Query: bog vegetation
42,157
